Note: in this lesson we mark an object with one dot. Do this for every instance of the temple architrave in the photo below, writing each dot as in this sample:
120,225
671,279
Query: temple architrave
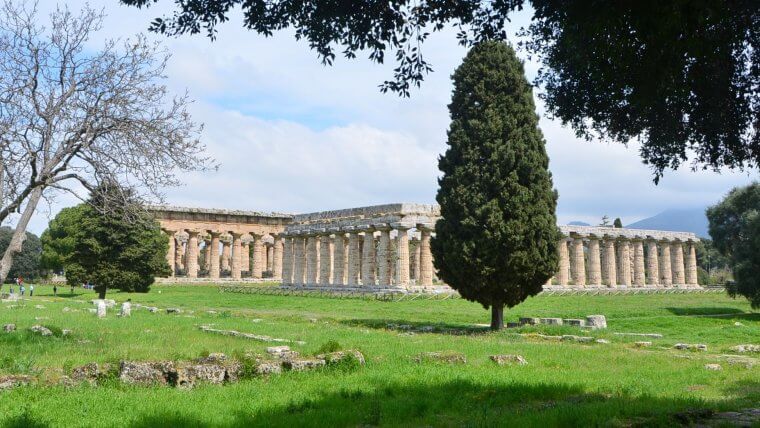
387,248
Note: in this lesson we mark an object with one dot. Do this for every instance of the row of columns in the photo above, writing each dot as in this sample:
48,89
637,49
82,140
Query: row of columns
366,256
239,252
596,261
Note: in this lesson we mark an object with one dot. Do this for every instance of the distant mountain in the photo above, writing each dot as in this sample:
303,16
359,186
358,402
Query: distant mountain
688,220
578,223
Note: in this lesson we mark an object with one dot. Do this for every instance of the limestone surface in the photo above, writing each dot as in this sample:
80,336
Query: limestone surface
508,359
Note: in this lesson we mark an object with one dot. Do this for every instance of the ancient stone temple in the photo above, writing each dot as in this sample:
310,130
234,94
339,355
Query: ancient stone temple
387,247
215,244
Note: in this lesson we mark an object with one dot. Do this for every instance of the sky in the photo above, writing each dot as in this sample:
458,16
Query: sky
293,135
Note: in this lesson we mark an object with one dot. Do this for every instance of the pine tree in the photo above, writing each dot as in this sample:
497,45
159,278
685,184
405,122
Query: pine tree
496,242
618,224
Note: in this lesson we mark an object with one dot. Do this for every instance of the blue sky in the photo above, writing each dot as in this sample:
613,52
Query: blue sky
293,135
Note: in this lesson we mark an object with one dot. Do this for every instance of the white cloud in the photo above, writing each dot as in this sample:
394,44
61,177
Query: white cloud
294,135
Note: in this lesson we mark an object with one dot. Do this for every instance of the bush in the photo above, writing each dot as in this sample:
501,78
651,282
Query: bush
328,347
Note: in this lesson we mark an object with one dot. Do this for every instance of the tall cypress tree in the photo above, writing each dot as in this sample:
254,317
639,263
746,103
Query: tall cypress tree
496,242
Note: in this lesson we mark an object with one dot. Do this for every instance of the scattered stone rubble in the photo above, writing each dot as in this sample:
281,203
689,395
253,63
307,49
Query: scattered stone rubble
690,347
215,369
746,348
260,338
592,322
13,381
649,335
448,357
643,344
508,359
9,328
42,331
713,367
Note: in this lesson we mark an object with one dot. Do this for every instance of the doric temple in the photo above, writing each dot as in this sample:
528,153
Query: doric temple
387,247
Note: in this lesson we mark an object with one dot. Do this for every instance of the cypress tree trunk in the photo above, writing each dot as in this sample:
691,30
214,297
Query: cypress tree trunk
497,316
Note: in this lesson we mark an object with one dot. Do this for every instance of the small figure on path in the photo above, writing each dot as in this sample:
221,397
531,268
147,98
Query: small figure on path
72,289
21,289
31,290
55,290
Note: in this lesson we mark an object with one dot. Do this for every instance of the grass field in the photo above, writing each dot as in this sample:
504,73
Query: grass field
563,384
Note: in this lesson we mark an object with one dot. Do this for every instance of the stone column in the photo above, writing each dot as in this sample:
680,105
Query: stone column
270,257
402,256
354,258
691,265
312,260
594,262
180,261
666,275
577,262
368,258
426,257
245,255
237,246
171,253
676,255
277,257
287,259
325,259
609,268
226,252
638,263
653,266
624,262
207,256
384,256
213,271
563,276
192,253
257,264
339,257
414,258
299,271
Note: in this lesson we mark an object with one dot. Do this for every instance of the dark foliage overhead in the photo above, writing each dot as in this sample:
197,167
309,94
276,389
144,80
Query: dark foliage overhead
681,76
26,264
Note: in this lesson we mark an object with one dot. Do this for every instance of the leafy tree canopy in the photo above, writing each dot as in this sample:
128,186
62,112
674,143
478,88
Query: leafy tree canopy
58,240
680,76
118,247
496,242
735,229
26,264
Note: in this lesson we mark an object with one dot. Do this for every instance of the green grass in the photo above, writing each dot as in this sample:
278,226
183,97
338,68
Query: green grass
563,383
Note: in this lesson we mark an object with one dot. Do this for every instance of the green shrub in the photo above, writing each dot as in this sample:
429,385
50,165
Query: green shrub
328,347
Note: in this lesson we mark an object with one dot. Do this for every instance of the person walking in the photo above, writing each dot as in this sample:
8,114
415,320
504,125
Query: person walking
31,290
22,289
55,290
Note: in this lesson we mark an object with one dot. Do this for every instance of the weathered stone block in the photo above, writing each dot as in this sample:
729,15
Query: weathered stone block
189,375
13,381
336,357
573,322
298,365
551,321
713,367
441,357
513,324
508,359
9,328
596,321
146,373
746,348
43,331
642,344
268,367
530,321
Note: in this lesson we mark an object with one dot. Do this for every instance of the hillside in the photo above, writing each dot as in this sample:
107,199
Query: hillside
688,220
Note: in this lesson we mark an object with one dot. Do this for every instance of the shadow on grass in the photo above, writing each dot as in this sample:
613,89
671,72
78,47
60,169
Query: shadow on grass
716,312
464,403
415,326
